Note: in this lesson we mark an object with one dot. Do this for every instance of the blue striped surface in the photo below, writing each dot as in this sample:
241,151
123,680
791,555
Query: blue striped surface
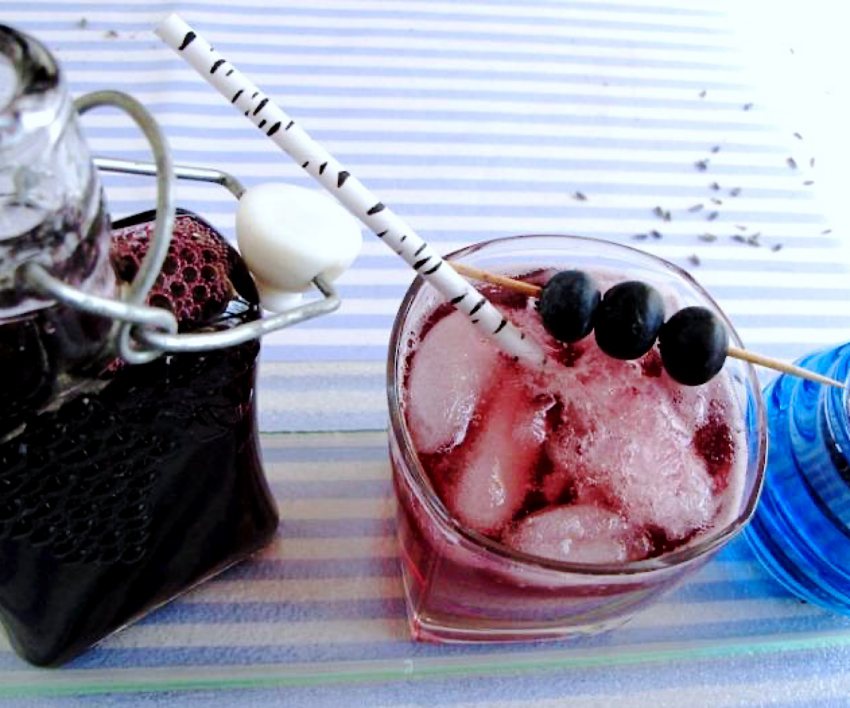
472,119
319,617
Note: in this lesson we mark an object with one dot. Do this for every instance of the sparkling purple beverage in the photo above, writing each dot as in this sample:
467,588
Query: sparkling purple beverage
555,501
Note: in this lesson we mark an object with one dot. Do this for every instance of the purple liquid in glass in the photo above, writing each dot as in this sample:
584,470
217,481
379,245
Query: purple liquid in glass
546,503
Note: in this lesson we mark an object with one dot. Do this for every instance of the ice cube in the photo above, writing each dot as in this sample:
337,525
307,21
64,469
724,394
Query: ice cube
452,367
579,533
638,456
570,428
495,474
667,488
626,439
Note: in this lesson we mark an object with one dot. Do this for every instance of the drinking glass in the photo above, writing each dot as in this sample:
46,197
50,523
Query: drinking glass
462,586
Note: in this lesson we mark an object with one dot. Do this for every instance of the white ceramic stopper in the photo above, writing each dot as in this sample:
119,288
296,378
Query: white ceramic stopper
288,235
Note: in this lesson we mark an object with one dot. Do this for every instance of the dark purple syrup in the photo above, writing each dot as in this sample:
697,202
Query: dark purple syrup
53,347
120,498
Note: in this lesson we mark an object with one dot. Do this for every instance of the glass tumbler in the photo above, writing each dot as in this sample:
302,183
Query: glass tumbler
463,586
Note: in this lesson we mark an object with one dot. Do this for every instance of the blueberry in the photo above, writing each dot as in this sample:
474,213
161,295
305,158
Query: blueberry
693,345
567,303
628,319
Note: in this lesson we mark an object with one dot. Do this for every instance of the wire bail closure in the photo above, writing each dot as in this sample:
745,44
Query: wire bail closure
141,333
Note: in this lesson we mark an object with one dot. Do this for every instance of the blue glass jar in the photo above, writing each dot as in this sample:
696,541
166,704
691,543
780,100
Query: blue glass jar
801,530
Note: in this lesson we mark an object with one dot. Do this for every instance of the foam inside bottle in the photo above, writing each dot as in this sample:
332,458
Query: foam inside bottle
589,460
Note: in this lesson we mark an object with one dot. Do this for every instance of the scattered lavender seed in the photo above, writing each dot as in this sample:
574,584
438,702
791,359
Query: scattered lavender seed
825,232
662,213
808,183
714,186
581,197
694,259
717,201
747,106
640,237
708,238
734,192
701,165
753,240
792,163
798,136
111,34
776,247
82,23
695,208
712,216
655,234
738,238
702,93
812,162
715,149
741,227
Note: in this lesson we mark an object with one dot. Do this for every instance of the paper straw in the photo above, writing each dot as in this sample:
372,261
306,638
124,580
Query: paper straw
351,193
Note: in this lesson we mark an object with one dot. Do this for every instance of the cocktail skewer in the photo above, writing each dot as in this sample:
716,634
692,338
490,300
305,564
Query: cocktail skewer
733,351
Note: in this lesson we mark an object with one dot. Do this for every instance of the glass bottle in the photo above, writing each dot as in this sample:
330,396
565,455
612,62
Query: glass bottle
801,530
121,486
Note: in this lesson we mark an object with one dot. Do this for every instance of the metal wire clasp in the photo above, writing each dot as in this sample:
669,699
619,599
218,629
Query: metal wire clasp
142,332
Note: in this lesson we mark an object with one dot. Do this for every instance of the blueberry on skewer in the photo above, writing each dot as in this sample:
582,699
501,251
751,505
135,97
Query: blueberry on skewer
693,343
731,350
627,320
567,304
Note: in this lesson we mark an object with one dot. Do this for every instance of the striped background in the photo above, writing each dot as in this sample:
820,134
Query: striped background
472,119
318,620
477,119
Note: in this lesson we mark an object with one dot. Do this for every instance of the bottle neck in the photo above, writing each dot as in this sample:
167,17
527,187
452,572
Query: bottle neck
33,94
51,209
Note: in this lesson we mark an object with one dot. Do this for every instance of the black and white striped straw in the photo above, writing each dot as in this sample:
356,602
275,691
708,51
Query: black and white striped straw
344,186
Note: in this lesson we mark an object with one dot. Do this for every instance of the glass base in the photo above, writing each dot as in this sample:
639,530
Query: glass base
445,628
427,629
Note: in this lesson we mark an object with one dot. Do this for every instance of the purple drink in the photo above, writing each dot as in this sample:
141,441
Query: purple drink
146,480
538,503
121,486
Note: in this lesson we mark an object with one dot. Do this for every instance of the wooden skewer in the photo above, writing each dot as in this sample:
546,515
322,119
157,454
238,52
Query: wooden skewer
760,360
503,280
733,351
